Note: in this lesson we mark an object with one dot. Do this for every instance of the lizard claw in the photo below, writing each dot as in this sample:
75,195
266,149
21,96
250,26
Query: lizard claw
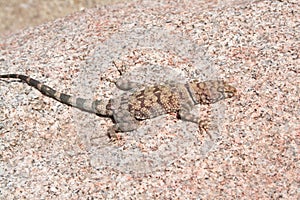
204,126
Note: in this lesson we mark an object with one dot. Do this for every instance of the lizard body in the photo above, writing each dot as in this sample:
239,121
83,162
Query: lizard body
152,101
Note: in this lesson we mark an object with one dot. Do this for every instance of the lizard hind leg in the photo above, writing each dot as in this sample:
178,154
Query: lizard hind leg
124,123
128,85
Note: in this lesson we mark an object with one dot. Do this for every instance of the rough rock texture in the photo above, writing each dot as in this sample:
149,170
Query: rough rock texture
51,151
19,14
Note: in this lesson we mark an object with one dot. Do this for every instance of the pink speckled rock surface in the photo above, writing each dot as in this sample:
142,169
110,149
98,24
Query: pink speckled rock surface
52,151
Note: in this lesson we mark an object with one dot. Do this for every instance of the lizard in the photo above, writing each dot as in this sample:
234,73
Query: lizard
151,101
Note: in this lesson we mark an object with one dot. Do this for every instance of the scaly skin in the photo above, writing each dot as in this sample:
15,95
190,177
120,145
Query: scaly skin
150,102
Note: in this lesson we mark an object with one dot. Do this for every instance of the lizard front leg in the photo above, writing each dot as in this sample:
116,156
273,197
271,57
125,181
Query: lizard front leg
203,124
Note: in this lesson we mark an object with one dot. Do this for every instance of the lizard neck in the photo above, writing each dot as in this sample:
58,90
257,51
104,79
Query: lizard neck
200,92
191,93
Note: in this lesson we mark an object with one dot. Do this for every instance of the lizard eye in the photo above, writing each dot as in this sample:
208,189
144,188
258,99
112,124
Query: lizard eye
229,91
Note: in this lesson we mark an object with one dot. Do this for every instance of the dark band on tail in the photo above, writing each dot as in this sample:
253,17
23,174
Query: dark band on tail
98,107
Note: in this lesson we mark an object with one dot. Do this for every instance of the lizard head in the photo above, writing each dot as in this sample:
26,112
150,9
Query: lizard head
212,91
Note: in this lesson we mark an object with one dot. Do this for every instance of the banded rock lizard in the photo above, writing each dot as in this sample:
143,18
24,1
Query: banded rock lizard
127,111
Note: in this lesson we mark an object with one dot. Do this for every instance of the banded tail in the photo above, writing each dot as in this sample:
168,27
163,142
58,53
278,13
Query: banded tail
97,106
